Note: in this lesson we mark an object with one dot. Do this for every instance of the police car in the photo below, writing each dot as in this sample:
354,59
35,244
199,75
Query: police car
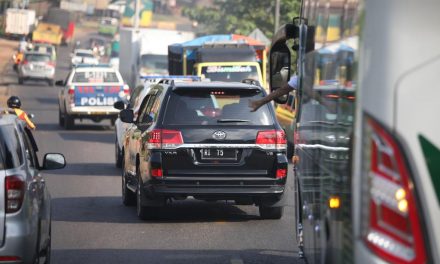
89,92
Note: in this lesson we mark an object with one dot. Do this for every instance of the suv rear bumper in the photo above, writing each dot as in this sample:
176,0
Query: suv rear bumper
218,190
216,186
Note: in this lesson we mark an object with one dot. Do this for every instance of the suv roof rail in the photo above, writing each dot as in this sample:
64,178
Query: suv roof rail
251,82
169,79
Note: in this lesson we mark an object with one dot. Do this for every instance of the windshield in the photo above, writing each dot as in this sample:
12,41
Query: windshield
37,57
95,77
94,42
154,63
215,107
230,73
87,55
107,22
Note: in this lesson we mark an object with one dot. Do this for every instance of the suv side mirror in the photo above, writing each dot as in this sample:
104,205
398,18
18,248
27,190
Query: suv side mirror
119,105
126,115
279,69
59,83
53,161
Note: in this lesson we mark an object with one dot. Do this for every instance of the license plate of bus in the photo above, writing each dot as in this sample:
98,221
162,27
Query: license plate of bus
218,154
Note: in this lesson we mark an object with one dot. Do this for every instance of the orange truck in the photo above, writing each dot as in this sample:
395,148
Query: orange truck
48,33
57,28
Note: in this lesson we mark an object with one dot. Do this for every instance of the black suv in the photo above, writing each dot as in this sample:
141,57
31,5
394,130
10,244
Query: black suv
201,139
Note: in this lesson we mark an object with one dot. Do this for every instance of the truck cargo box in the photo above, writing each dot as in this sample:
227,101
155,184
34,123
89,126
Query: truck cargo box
19,21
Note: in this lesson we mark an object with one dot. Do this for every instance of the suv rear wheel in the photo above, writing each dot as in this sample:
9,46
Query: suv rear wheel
267,212
143,212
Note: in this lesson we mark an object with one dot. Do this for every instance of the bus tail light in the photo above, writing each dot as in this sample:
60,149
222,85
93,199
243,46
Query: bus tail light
391,225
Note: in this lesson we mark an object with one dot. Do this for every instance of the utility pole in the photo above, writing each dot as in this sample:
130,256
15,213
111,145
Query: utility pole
277,15
137,7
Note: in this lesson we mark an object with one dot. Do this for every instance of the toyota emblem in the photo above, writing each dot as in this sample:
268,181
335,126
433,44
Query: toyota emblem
219,135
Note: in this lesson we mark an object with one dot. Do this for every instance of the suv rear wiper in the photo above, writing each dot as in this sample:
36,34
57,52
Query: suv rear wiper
232,120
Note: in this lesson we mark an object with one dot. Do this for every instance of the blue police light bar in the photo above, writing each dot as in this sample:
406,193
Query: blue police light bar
171,77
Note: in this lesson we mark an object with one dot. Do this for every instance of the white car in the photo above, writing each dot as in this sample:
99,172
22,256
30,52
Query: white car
136,98
89,92
83,56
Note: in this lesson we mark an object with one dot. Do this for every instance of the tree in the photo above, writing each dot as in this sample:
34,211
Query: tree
241,16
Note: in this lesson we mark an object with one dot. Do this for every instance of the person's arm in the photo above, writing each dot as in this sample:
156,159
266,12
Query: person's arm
254,105
30,124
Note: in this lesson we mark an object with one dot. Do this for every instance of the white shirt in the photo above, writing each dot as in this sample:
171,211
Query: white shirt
293,82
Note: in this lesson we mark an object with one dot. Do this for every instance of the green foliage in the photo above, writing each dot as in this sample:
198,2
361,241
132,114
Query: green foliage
241,16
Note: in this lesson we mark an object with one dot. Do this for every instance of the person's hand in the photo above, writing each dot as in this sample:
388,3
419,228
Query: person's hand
254,105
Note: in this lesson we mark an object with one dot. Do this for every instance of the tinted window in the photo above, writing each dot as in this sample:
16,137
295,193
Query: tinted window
215,107
95,77
30,152
146,108
10,149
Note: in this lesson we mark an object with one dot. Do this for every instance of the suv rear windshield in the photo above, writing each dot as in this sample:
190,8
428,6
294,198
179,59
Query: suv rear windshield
215,107
10,149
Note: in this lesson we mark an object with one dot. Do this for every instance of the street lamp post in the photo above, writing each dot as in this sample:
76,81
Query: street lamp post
277,15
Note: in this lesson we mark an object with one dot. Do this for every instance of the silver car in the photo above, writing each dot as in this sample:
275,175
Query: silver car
36,66
25,219
45,48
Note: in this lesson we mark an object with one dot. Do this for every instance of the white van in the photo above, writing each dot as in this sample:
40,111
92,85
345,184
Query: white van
367,142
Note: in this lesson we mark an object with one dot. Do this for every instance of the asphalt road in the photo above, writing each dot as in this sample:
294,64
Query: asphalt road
91,225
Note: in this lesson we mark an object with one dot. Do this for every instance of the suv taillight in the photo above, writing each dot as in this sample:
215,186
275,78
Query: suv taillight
272,139
164,139
14,193
391,225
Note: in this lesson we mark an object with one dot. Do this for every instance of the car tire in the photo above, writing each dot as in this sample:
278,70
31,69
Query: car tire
60,118
118,155
69,122
49,246
269,212
128,197
20,80
143,212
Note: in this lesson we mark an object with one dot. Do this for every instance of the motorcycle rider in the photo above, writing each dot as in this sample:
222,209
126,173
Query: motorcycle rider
15,104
